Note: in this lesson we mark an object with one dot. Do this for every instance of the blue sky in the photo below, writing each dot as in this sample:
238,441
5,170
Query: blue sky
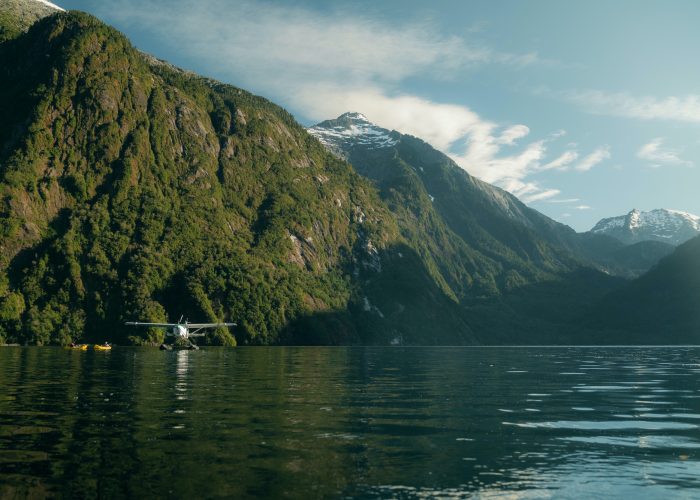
584,110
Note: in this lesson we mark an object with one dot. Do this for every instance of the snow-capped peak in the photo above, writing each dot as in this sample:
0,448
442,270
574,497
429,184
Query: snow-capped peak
670,226
52,5
353,115
685,215
352,129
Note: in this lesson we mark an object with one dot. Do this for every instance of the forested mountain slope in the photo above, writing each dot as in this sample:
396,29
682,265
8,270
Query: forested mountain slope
133,190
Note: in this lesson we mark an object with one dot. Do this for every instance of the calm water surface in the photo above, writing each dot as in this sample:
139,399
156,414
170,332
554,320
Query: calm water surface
351,422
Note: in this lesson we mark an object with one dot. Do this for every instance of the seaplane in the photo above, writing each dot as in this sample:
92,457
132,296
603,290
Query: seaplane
182,331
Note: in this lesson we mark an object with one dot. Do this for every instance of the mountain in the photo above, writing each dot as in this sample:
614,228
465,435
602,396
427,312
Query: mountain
667,226
130,189
351,130
522,277
660,307
355,138
381,154
133,190
619,259
478,239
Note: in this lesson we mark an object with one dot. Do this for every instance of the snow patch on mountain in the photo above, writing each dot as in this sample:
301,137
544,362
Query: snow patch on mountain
352,129
52,5
669,226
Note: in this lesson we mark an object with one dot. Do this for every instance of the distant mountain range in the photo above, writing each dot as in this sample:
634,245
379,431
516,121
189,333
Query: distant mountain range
667,226
133,190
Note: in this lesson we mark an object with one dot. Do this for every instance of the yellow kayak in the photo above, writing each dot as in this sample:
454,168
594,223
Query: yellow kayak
99,347
78,347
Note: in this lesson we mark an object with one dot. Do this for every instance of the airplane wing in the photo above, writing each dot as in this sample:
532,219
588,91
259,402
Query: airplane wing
155,325
209,325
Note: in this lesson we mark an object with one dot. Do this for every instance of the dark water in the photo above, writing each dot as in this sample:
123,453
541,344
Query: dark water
355,422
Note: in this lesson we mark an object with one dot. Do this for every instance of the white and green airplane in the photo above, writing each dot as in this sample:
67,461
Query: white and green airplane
182,329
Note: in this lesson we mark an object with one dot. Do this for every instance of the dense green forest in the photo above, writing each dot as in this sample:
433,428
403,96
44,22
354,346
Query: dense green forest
131,189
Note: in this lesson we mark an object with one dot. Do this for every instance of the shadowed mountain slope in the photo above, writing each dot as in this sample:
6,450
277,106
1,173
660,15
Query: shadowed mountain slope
661,307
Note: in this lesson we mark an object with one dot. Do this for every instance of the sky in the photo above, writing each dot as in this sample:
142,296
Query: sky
583,110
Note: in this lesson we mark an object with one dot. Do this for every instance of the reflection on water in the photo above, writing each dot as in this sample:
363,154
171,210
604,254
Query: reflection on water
351,422
182,362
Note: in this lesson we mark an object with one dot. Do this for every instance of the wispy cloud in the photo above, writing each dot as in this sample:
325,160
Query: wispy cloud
511,134
655,153
593,159
541,195
678,108
268,45
561,162
567,200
